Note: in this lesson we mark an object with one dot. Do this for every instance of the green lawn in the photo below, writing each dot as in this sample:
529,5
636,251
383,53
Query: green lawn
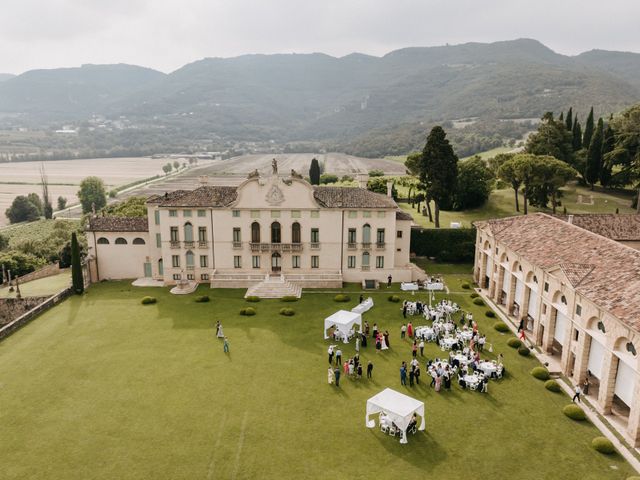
41,287
102,387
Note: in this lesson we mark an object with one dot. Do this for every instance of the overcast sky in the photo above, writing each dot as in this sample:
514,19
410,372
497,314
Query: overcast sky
166,34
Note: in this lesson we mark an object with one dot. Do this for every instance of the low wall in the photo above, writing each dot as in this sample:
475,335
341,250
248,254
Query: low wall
12,308
47,271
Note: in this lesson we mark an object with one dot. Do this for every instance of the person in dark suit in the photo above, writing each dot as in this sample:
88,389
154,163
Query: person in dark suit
403,375
369,370
336,372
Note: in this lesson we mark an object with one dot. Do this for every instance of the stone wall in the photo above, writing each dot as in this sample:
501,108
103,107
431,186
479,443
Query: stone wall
12,308
47,271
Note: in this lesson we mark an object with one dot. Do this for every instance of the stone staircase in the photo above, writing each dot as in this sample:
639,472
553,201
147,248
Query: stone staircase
274,287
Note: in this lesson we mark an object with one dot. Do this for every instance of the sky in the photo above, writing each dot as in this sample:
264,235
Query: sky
166,34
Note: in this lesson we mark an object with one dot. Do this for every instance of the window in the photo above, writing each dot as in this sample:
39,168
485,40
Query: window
351,236
204,261
103,241
315,261
160,267
190,259
173,213
366,214
546,286
138,241
237,238
275,213
399,234
255,232
255,213
204,276
296,214
353,214
174,234
255,261
237,261
295,233
188,232
235,213
576,334
578,310
295,261
379,261
191,276
275,232
158,240
563,300
365,260
202,234
175,261
202,213
366,233
380,236
381,214
351,261
177,276
315,235
156,216
186,213
120,241
315,213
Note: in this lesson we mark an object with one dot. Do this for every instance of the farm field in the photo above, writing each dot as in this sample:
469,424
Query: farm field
103,387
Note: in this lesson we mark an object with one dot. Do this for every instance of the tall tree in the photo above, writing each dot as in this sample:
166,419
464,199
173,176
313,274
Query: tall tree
474,184
22,210
439,170
92,194
509,174
626,155
35,200
550,175
525,167
314,172
594,156
608,145
552,139
576,133
62,202
413,163
47,208
77,279
588,130
568,123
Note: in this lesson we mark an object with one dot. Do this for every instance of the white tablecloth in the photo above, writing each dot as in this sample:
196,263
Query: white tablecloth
363,307
449,341
436,286
462,359
465,335
471,379
408,286
488,368
424,332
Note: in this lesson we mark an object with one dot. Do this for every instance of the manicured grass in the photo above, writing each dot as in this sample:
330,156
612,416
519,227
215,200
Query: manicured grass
103,387
42,286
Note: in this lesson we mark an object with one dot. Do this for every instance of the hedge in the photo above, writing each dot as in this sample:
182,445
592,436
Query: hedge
603,445
341,297
252,298
490,314
478,301
574,412
148,300
202,299
289,298
552,386
444,244
466,286
524,351
540,373
501,327
394,298
287,312
474,295
248,311
514,343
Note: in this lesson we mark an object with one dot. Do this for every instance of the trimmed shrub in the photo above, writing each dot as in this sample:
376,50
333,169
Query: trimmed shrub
148,300
252,299
524,351
574,412
603,445
501,327
514,343
394,298
289,298
474,295
490,314
287,312
540,373
341,297
466,286
248,311
202,299
478,301
552,386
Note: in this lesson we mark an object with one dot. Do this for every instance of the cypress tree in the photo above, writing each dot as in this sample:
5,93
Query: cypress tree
561,117
594,156
314,172
588,130
576,132
608,145
569,120
76,268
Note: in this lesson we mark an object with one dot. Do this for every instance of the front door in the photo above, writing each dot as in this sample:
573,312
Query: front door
276,264
147,269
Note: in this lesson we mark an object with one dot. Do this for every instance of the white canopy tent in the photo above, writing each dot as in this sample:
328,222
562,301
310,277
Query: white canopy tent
344,322
398,407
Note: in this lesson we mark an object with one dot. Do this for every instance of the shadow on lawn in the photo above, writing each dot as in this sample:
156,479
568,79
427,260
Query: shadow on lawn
422,450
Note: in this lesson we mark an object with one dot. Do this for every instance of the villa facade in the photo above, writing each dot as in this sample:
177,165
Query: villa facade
235,236
577,294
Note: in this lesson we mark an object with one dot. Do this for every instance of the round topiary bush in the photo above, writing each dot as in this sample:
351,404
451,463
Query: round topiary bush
287,312
474,295
148,300
341,297
540,373
552,386
514,343
603,445
501,327
490,314
248,311
202,299
252,298
289,298
524,351
394,298
478,301
574,412
466,286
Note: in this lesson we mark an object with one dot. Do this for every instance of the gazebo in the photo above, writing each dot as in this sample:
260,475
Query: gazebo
398,407
344,322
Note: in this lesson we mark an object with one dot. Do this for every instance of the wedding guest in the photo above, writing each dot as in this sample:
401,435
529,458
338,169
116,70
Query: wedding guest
386,338
366,328
330,352
369,369
410,330
403,330
225,347
421,345
330,376
338,357
403,375
416,373
336,374
411,377
414,349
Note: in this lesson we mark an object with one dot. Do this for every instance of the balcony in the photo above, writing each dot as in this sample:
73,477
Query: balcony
175,244
366,245
237,245
190,244
191,267
315,246
380,246
352,246
365,268
203,244
276,247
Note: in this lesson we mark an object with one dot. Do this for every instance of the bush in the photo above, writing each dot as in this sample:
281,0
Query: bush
574,412
540,373
287,312
289,298
524,351
341,297
248,311
202,299
455,245
148,300
252,299
501,327
394,298
490,314
514,343
474,295
465,286
478,301
552,386
603,445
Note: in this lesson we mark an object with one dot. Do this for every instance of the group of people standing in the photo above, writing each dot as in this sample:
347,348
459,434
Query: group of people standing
352,367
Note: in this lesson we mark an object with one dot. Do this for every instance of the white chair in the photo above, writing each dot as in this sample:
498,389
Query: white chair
392,431
384,428
473,386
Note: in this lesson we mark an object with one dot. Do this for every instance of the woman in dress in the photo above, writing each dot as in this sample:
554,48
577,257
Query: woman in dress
219,332
378,344
386,338
438,382
330,376
410,329
383,343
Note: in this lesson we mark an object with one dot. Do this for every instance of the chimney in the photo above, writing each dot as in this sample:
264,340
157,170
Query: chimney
389,188
570,219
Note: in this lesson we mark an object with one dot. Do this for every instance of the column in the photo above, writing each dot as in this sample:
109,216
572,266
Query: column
511,294
497,287
481,268
633,427
492,282
536,321
566,348
582,357
547,337
608,382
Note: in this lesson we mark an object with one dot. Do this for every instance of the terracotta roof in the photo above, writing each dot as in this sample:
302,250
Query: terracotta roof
602,270
351,197
118,224
206,196
401,215
624,227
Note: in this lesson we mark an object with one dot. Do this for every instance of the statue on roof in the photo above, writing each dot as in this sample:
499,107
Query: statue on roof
274,166
295,174
254,174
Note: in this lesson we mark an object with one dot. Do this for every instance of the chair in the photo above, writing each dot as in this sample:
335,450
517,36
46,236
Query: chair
384,428
473,386
392,431
499,372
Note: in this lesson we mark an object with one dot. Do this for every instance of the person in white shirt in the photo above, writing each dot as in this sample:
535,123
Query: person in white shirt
577,391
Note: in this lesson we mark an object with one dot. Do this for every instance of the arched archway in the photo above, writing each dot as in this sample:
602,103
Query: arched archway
626,378
103,241
295,233
120,241
276,262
